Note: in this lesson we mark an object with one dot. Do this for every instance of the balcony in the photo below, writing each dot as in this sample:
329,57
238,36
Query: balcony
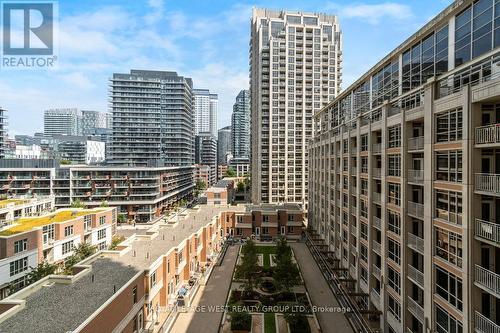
416,144
415,243
377,197
416,309
488,231
377,223
375,298
416,176
416,210
377,172
488,183
485,325
377,247
376,272
416,276
377,148
488,134
487,280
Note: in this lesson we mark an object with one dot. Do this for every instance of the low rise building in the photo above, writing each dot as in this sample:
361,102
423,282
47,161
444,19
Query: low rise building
221,193
241,166
52,237
11,209
202,172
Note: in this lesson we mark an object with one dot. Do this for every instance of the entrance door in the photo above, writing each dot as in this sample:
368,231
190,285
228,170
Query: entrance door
257,231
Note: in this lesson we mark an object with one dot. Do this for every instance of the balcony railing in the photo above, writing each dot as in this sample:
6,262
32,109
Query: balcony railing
377,172
416,143
416,309
488,183
488,134
376,271
416,176
375,297
416,243
416,209
377,222
376,148
416,275
488,280
377,247
487,230
485,325
377,197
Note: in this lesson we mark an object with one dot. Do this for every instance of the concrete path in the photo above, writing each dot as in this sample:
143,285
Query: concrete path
320,293
212,295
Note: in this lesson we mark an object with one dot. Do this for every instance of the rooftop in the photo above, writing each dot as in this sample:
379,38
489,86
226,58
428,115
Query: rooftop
5,202
70,303
145,251
60,216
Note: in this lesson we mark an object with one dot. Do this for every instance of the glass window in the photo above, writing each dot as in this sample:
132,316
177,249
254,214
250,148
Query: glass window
449,287
448,246
20,245
394,165
449,166
449,206
449,126
446,323
394,222
394,279
394,195
394,137
394,307
394,251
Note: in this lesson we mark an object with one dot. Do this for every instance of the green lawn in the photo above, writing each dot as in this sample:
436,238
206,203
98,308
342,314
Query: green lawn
269,323
266,251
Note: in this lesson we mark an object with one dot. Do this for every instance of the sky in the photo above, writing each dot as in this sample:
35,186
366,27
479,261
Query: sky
206,40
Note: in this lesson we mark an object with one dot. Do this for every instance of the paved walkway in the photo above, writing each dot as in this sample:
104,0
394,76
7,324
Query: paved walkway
211,295
319,291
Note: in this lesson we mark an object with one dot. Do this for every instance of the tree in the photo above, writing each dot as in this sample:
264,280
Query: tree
77,204
115,241
104,203
286,273
122,218
246,181
40,271
84,250
65,162
230,172
298,322
249,265
199,187
241,321
240,187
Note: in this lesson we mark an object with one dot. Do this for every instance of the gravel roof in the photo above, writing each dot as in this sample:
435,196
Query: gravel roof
145,251
60,308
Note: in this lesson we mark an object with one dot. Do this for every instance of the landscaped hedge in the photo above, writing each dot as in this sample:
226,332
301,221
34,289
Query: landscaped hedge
241,321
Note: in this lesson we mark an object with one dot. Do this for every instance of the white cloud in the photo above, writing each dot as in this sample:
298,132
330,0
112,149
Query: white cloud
373,13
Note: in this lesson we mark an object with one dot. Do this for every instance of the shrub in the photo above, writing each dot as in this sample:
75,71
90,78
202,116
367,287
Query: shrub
241,321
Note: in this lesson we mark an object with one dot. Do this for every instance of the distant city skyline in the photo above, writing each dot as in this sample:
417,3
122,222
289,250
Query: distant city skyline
205,41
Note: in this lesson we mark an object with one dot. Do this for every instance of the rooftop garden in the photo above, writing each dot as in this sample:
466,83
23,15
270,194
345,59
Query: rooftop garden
28,223
5,202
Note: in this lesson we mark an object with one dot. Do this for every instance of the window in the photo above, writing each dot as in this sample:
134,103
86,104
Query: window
394,280
394,194
394,137
449,206
152,279
395,165
289,229
446,323
448,246
87,222
101,246
363,231
364,142
179,255
291,218
134,294
363,253
68,231
394,308
101,234
239,219
394,222
48,233
449,166
449,287
449,126
102,220
20,245
265,218
18,266
394,251
67,247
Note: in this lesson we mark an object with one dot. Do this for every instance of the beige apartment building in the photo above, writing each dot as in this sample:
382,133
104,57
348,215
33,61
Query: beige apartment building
405,180
295,70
